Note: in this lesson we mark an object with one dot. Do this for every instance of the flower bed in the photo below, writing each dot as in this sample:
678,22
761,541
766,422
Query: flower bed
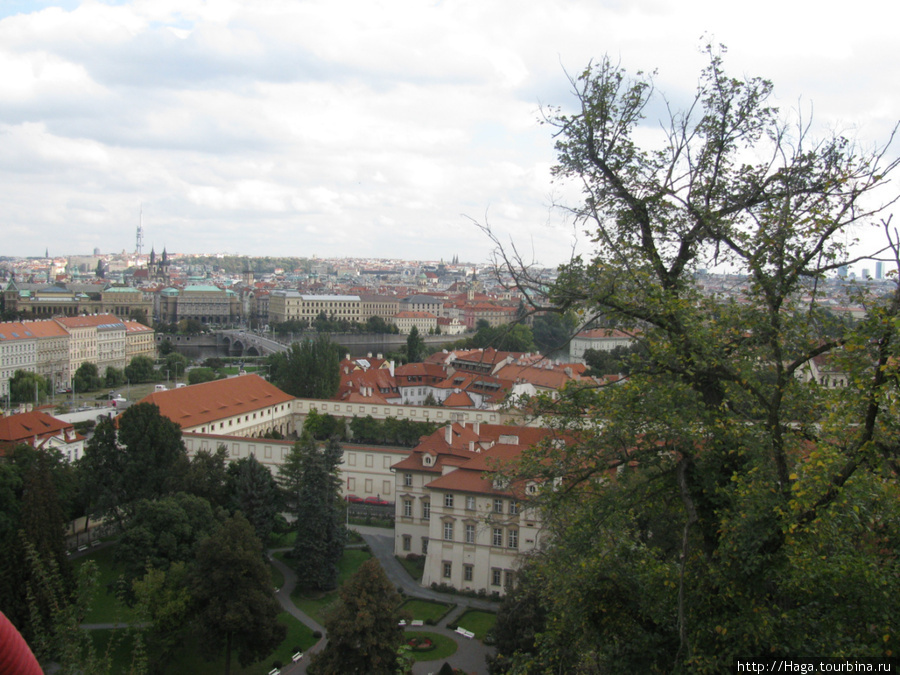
420,644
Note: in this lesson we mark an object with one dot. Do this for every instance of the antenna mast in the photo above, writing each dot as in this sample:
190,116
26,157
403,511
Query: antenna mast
140,233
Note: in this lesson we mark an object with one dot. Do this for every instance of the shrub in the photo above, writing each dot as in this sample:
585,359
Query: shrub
317,634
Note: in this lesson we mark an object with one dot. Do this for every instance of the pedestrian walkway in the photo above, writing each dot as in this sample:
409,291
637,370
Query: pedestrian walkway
470,654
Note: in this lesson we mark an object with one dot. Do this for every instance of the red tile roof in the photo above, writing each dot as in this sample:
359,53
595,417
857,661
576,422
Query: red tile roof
26,427
200,404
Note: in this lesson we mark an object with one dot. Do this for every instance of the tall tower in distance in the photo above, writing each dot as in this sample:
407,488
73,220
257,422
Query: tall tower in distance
139,245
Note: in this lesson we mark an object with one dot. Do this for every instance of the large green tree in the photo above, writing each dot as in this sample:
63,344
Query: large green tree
255,493
140,369
162,532
146,459
26,387
87,378
363,631
308,369
723,505
233,591
318,511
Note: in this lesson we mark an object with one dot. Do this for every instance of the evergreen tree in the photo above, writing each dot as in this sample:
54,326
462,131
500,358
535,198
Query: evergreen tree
363,630
255,494
415,346
320,532
309,369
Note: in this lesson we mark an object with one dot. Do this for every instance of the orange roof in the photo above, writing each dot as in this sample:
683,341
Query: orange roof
200,404
89,320
46,329
26,427
15,330
136,327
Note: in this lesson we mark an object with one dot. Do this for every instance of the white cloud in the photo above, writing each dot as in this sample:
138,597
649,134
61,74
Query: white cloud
363,127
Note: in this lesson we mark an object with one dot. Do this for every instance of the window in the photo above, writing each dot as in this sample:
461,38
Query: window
512,539
498,506
448,531
470,503
369,460
407,542
368,486
468,572
496,577
407,508
448,500
426,510
351,458
407,479
351,484
448,570
470,534
424,545
513,507
498,536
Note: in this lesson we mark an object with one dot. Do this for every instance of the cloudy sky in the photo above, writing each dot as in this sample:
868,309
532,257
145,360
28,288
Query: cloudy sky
364,128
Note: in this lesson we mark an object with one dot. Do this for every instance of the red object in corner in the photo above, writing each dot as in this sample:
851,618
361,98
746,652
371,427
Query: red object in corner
16,657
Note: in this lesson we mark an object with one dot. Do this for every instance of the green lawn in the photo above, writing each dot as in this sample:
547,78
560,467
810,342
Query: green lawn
189,659
423,610
315,604
415,568
105,606
443,646
477,622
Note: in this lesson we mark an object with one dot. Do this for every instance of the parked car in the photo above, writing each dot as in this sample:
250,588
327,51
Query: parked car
353,499
376,501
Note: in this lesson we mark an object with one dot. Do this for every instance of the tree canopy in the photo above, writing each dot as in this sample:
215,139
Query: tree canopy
723,504
309,369
363,630
233,592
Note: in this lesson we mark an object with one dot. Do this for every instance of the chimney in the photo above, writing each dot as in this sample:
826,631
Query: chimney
448,433
476,426
380,356
471,446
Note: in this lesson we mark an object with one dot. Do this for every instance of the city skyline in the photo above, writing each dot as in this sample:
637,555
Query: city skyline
364,130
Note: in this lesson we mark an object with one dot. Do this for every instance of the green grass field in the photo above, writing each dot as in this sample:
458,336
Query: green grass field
188,660
105,605
477,622
415,568
317,604
423,610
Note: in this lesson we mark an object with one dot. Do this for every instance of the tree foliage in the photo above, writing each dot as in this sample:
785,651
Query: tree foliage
319,545
140,369
389,431
752,512
162,532
233,591
255,494
309,369
145,460
363,630
27,387
415,346
87,378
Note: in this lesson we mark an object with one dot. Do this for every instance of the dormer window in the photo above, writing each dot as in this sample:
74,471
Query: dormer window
426,460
